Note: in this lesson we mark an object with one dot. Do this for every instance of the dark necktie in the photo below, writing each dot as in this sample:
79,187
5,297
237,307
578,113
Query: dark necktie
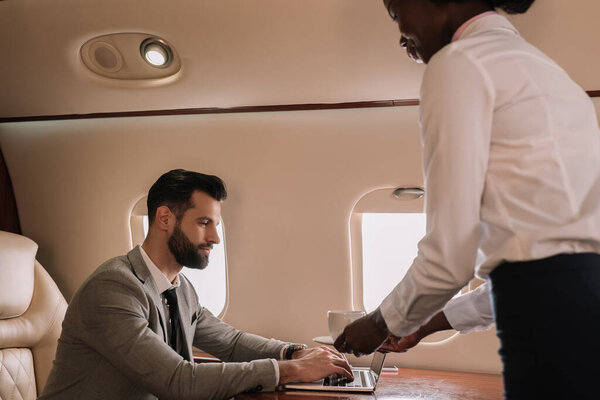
171,297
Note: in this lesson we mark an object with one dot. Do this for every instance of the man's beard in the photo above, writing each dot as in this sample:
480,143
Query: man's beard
185,252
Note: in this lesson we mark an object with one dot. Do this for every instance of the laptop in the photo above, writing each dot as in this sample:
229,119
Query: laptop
365,379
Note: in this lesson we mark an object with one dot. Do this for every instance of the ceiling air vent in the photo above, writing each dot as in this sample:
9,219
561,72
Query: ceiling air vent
105,57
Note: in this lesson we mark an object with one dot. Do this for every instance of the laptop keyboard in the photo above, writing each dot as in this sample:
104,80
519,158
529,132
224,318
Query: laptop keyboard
336,380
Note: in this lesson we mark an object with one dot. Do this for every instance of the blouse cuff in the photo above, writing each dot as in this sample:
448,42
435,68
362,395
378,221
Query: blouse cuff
396,323
471,311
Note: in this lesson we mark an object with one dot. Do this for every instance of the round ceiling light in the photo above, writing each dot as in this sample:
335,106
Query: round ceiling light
156,52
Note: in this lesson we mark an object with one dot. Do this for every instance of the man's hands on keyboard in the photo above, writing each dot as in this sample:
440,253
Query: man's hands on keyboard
314,364
336,380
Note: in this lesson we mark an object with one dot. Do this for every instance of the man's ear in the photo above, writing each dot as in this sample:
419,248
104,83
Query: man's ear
163,218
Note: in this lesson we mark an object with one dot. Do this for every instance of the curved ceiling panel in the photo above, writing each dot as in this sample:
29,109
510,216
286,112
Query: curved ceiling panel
244,53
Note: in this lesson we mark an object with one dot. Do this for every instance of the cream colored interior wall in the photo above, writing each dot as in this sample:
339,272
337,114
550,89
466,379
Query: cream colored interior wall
293,178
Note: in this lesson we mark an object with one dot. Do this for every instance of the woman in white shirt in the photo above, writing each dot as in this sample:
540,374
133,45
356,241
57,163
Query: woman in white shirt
511,161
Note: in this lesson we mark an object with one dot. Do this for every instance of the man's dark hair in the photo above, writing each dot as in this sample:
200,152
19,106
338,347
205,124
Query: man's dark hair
174,189
509,6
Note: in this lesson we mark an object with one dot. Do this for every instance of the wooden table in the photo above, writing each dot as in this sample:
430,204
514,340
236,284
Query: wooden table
407,384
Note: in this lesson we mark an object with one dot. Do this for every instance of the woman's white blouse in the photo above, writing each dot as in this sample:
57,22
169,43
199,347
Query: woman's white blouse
511,164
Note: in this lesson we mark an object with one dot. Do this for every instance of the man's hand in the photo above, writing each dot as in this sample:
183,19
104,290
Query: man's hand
313,364
439,322
364,335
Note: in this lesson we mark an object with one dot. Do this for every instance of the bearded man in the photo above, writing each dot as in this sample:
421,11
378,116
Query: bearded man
129,329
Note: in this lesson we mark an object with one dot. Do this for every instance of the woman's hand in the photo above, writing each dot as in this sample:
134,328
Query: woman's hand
364,335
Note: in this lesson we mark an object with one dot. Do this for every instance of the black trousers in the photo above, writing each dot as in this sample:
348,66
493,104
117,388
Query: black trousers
548,321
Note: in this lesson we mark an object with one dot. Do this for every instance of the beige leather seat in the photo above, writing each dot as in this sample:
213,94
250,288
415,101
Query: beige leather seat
31,313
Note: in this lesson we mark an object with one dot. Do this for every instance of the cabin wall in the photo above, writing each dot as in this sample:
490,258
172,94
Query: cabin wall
293,179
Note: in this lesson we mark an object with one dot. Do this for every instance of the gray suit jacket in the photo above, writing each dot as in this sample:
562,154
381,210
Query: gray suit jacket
113,344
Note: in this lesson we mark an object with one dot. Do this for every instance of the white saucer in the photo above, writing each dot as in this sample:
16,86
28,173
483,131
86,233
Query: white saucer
323,340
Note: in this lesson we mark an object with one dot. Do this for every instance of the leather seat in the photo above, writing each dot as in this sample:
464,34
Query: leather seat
31,313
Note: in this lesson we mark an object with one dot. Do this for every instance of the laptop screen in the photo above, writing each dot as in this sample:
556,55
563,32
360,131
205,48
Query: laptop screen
377,363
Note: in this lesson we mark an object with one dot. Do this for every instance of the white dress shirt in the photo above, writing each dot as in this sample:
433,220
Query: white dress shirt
511,164
162,285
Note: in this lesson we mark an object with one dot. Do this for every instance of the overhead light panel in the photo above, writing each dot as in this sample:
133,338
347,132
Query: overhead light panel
131,56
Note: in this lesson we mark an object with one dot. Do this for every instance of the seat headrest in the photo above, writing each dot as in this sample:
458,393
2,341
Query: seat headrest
17,259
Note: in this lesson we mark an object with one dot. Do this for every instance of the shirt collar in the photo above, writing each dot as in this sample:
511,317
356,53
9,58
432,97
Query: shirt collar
486,20
160,279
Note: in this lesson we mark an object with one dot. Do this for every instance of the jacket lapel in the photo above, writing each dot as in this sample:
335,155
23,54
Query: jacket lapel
143,274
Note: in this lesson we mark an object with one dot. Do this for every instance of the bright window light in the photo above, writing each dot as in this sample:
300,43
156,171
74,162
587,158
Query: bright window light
389,245
211,282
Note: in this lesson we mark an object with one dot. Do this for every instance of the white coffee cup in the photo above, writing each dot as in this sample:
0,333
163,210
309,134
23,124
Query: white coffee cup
338,320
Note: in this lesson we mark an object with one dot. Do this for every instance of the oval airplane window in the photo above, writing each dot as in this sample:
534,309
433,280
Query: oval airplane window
384,234
211,282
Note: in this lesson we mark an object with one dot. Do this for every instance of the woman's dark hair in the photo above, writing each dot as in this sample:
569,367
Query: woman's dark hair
174,189
509,6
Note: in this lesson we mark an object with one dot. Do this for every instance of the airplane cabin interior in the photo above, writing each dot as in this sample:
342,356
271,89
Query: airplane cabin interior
308,111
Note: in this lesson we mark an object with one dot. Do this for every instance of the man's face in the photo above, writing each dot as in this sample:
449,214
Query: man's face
194,235
423,27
